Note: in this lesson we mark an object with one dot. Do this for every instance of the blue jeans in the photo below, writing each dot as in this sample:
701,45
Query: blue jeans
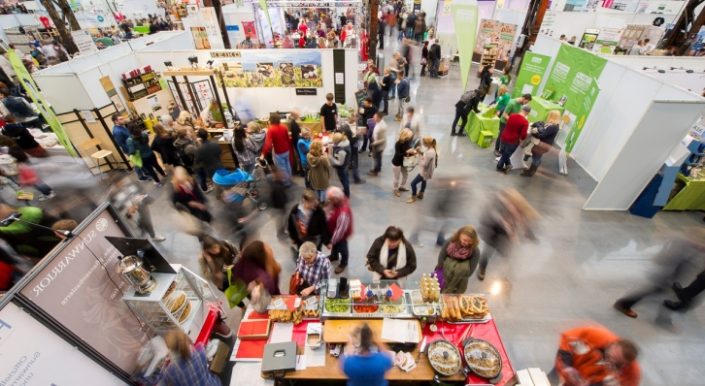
507,149
344,179
415,182
340,249
393,89
321,194
281,161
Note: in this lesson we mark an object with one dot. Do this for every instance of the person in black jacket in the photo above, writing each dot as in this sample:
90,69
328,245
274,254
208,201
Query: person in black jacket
424,58
434,57
23,138
391,256
307,221
546,134
486,78
468,102
206,159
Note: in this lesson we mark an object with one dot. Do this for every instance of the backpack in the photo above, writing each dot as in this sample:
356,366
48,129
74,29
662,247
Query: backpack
346,161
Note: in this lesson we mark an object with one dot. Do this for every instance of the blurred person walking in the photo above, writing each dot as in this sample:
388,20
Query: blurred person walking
434,58
340,225
258,265
206,160
424,58
303,146
469,101
353,137
412,121
403,93
543,136
245,149
428,163
507,219
187,196
686,295
673,263
189,364
217,256
163,144
594,355
458,259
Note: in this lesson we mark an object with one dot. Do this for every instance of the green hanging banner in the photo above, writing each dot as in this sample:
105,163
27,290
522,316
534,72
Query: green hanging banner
465,21
532,71
33,91
573,84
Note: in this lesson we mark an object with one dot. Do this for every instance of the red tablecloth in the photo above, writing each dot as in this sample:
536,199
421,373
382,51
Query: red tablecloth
487,331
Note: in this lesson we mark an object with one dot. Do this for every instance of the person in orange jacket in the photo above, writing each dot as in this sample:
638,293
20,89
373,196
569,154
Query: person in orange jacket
593,355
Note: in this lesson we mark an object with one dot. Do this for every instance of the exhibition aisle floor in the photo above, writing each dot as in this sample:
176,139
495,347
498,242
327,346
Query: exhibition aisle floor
581,263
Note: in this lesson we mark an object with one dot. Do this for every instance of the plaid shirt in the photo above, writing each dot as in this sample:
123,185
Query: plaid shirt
191,372
315,274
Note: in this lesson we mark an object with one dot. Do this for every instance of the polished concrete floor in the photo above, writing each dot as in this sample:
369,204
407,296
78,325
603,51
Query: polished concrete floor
581,263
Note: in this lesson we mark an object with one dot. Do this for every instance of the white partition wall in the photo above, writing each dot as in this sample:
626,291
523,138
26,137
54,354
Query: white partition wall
665,122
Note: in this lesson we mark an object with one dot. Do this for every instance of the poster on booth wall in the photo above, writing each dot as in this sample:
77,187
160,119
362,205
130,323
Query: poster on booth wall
82,290
573,81
200,38
301,69
33,355
607,40
496,36
533,69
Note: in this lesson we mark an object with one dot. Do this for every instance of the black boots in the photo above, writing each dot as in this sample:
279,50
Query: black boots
530,171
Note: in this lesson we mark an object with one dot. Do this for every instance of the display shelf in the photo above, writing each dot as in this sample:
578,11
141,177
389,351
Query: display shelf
379,306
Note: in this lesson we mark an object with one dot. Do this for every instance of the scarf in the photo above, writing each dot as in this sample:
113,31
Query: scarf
457,251
384,256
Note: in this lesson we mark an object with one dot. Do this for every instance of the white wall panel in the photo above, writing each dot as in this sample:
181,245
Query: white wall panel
64,92
660,129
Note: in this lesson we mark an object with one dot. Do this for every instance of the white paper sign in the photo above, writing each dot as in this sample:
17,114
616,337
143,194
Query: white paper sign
339,78
84,41
34,355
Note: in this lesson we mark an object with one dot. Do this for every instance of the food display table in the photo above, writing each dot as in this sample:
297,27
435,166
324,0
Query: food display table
247,354
540,108
314,126
690,196
478,123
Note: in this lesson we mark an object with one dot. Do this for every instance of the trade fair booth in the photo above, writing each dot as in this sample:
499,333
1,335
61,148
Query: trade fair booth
135,78
619,124
94,303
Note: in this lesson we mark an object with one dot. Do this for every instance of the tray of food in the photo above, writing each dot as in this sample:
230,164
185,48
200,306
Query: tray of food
365,308
465,309
285,309
393,309
311,307
337,306
444,357
419,307
482,358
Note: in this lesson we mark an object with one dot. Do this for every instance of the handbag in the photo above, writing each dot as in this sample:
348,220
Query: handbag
236,292
410,162
136,159
294,283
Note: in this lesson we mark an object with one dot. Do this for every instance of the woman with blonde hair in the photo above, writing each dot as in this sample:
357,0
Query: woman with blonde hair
403,148
543,134
340,159
502,98
189,364
319,170
163,143
458,259
257,135
428,163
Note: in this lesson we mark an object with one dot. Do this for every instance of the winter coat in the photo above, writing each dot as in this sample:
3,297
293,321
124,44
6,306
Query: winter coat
319,171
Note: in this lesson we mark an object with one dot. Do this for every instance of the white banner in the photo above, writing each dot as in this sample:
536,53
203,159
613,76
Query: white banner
32,355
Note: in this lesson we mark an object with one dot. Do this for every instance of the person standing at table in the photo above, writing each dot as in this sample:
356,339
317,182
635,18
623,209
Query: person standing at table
295,134
189,364
514,106
391,256
340,225
458,259
277,139
314,268
367,111
502,99
594,355
365,360
514,132
546,135
329,113
469,101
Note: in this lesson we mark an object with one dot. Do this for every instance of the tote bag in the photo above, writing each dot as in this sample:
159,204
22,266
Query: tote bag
136,159
236,292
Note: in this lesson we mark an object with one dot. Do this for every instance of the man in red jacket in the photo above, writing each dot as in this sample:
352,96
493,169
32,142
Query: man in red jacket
512,135
340,225
278,138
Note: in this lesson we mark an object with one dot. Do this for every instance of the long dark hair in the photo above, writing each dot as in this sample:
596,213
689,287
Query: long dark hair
366,341
239,135
227,252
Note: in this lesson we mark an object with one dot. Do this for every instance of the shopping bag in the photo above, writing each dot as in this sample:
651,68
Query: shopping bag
236,292
563,162
294,283
410,162
136,159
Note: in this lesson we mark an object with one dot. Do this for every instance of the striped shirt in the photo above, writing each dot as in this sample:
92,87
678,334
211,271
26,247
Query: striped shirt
191,372
315,274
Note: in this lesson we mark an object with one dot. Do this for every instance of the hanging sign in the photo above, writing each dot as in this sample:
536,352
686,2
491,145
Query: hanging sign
465,20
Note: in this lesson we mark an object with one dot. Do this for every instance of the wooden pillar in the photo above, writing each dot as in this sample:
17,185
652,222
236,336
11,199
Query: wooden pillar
372,32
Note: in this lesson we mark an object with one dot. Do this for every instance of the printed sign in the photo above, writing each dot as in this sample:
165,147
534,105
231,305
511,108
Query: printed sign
34,355
82,290
84,41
